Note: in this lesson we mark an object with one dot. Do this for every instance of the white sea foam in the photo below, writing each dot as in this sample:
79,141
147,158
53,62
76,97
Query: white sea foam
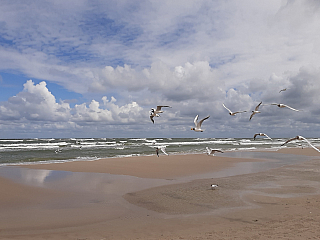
46,139
11,140
14,150
249,148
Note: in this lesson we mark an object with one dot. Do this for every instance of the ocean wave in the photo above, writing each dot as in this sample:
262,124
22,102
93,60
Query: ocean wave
11,140
137,139
26,150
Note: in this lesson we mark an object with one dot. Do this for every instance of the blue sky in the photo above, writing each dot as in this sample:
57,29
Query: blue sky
96,68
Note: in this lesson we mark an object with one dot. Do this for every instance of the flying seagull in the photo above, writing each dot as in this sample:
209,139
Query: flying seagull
232,113
282,90
163,149
198,124
301,138
261,134
154,112
280,105
255,110
212,151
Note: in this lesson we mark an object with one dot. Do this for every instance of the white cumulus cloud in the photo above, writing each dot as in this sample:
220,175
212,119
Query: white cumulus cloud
37,103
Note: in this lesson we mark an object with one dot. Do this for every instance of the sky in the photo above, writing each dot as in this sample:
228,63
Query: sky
95,68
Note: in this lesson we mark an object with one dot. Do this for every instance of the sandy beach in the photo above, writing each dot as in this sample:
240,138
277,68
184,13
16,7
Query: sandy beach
166,197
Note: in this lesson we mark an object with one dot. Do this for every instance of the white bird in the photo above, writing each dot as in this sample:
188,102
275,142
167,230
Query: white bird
198,124
214,186
232,113
261,134
301,138
280,105
154,112
212,151
152,115
255,110
163,149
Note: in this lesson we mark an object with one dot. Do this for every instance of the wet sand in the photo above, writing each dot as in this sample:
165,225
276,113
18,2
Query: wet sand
163,198
163,167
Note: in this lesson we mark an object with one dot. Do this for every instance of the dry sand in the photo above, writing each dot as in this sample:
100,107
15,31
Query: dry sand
282,203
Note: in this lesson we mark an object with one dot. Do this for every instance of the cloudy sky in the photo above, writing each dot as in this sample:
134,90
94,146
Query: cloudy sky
95,68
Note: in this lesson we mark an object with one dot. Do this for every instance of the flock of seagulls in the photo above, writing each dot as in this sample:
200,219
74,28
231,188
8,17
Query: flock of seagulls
210,151
256,110
280,105
155,113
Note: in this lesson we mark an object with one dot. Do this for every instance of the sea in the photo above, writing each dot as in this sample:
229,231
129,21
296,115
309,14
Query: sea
38,150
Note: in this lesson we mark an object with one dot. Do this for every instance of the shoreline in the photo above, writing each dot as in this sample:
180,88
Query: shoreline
172,166
293,150
78,201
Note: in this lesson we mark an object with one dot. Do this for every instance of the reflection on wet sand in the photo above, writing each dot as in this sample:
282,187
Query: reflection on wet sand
83,199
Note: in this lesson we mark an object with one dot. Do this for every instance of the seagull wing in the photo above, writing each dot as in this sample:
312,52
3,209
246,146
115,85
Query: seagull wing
291,139
291,108
282,90
217,150
252,115
201,121
267,136
208,150
257,134
196,120
257,107
239,112
226,108
159,107
163,150
310,144
151,118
